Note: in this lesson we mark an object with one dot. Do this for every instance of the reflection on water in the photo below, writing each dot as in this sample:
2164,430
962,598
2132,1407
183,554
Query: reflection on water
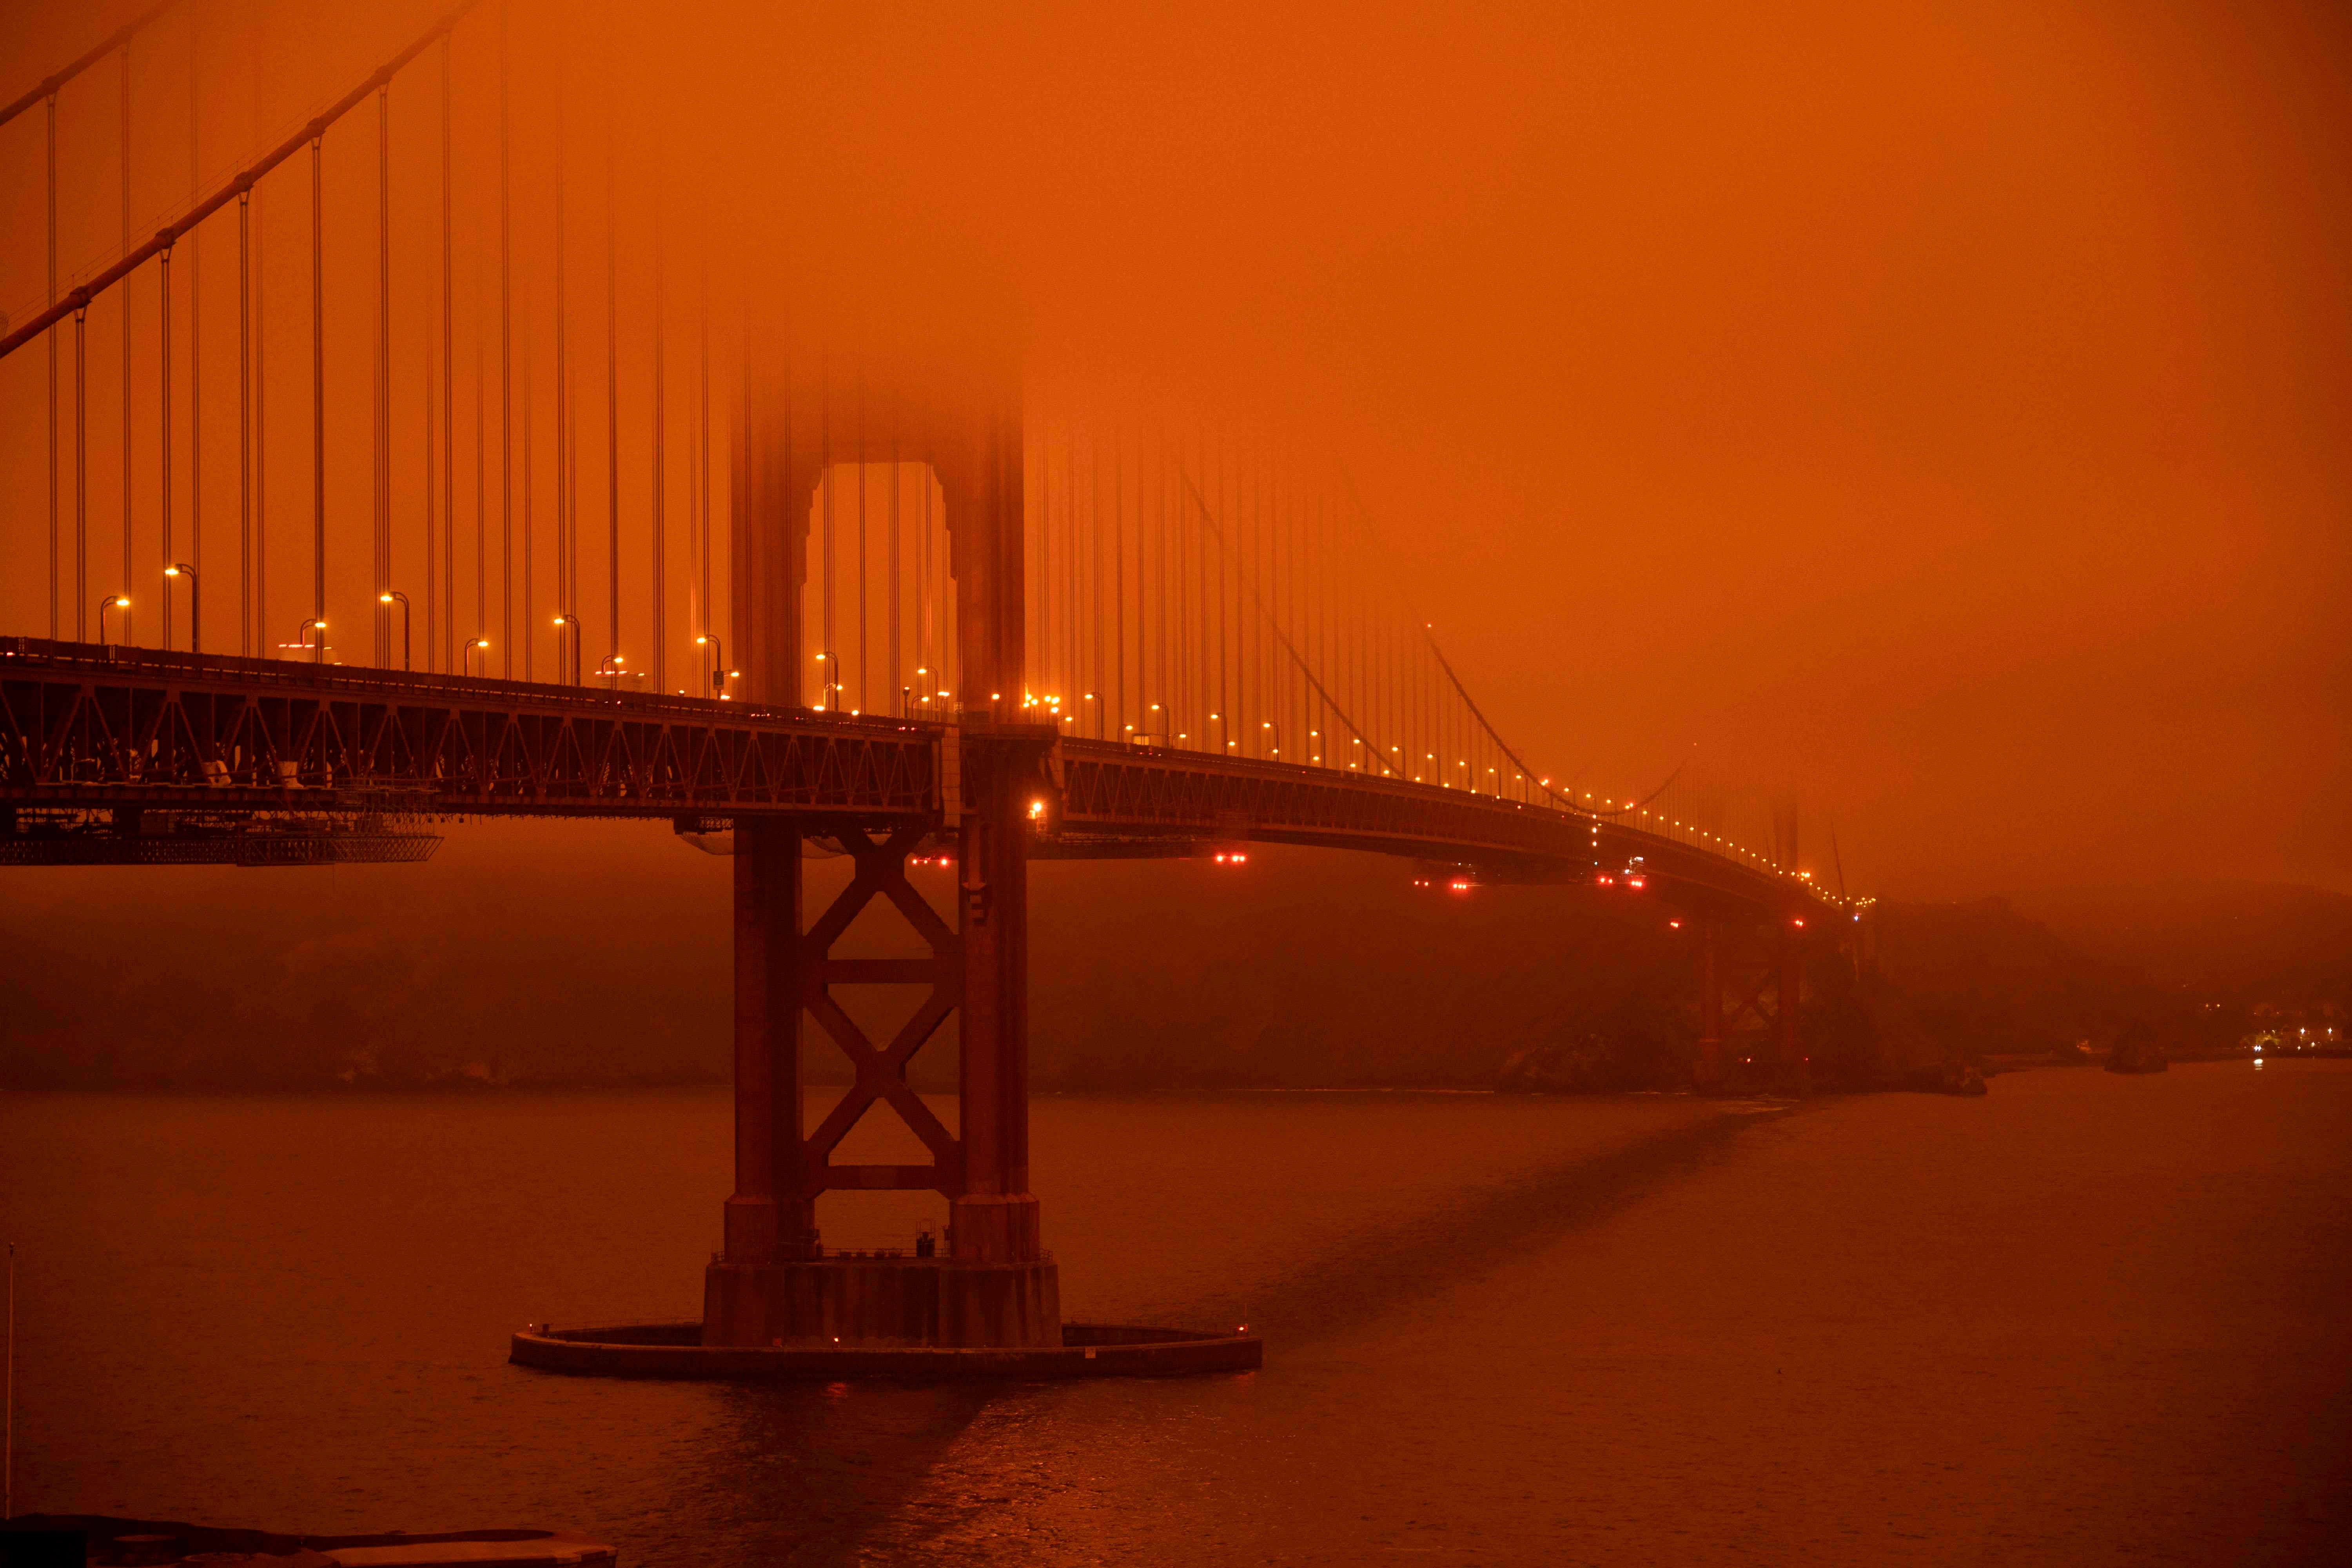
2085,1317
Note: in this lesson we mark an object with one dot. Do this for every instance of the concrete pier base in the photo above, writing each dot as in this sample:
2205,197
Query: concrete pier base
882,1301
1081,1349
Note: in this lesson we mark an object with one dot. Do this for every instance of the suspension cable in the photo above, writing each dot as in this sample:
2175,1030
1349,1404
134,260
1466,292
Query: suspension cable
242,181
118,39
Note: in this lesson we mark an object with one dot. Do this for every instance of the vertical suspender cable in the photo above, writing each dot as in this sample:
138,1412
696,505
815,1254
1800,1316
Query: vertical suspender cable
897,691
195,346
857,430
382,563
318,405
1047,634
448,620
431,492
260,405
1074,581
124,100
1167,588
659,517
506,358
1225,605
246,390
55,576
612,344
1120,727
702,424
830,652
1095,682
481,451
526,584
262,429
564,455
81,471
163,433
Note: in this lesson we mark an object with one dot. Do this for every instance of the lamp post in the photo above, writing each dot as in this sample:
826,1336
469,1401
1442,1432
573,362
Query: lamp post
465,656
120,601
394,597
828,689
717,662
196,603
1276,730
574,622
318,644
609,668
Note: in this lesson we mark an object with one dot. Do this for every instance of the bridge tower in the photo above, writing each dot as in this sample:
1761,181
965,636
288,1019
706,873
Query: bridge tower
774,1283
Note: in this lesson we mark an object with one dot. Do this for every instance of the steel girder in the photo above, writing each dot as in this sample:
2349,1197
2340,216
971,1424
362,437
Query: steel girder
88,726
1146,792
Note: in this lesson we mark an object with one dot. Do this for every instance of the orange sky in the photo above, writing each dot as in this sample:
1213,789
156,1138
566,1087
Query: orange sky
1937,410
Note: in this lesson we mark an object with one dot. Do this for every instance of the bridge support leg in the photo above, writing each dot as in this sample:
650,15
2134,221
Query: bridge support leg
1795,1072
771,1218
1706,1074
993,1233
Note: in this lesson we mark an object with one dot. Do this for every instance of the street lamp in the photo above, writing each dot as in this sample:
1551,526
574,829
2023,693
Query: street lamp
318,644
574,622
717,662
120,601
829,688
609,668
466,654
1277,731
394,597
195,603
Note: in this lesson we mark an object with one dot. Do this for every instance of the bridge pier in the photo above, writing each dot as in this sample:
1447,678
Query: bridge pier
1706,1073
1750,1004
773,1284
1794,1070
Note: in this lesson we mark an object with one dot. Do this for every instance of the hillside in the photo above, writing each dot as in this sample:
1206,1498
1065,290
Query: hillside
2241,940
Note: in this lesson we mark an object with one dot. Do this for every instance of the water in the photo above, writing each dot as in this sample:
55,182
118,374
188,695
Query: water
2087,1318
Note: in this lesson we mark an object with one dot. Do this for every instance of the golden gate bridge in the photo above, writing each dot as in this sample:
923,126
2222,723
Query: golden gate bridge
909,602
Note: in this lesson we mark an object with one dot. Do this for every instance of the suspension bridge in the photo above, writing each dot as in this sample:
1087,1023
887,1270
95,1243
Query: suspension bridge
610,543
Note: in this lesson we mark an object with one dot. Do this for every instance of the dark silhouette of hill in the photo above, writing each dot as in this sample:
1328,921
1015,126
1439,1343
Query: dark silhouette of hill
2243,940
1982,978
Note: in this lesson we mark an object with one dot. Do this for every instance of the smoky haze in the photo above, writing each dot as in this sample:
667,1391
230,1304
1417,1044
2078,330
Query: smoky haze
1935,415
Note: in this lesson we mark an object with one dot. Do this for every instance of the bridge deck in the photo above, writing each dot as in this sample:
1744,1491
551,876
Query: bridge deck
84,727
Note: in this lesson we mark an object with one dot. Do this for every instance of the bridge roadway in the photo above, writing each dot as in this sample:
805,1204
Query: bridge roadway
86,728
